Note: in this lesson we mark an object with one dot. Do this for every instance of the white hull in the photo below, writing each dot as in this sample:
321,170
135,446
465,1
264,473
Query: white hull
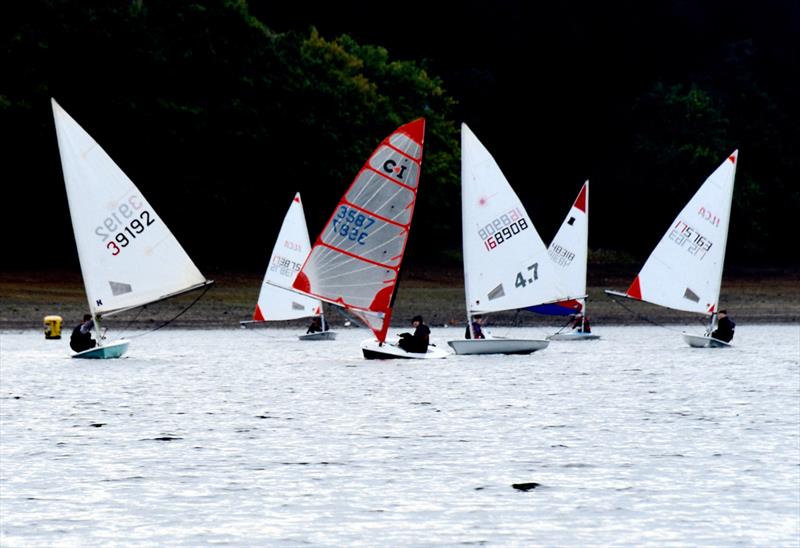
373,350
497,346
703,341
573,336
108,351
321,336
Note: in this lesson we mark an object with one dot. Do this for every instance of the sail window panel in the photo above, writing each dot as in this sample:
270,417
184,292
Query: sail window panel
342,278
375,193
371,239
396,166
407,145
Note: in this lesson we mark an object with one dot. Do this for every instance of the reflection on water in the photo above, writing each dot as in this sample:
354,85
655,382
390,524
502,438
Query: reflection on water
252,437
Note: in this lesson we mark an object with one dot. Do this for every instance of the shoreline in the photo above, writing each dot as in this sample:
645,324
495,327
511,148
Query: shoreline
437,294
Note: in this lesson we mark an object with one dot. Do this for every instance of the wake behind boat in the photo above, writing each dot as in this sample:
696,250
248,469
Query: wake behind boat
684,271
128,256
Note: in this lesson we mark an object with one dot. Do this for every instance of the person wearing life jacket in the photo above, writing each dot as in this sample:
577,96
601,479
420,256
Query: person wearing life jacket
725,327
581,324
418,342
81,338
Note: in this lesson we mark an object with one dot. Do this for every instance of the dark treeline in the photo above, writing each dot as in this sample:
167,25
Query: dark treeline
219,111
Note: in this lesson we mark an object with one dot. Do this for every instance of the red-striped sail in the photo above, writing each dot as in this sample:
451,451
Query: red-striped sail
356,259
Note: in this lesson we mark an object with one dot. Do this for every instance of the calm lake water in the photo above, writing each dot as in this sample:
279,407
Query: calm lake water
250,437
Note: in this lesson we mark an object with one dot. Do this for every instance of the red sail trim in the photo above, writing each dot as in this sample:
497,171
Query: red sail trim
257,315
301,282
395,181
580,201
370,212
732,158
635,290
358,257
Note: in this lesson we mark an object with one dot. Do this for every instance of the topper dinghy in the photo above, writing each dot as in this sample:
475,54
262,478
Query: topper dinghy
569,252
684,271
276,302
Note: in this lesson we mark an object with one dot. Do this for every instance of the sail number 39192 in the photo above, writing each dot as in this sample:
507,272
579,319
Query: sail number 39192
126,230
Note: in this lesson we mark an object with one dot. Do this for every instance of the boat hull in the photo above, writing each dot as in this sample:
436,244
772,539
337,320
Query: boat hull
321,336
573,336
703,341
497,346
373,350
106,352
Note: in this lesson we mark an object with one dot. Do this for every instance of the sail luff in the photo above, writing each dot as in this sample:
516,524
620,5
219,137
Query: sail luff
83,260
726,219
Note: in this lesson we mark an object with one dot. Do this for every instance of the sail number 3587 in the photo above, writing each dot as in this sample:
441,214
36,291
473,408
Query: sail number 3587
351,224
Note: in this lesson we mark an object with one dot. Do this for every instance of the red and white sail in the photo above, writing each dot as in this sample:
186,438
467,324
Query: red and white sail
275,301
569,250
355,261
684,271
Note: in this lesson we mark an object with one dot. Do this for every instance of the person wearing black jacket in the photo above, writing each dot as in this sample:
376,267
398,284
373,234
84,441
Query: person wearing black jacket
418,342
725,327
81,338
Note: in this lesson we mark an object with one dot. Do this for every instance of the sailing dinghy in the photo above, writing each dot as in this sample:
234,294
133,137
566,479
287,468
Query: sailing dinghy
355,261
275,301
128,256
569,252
506,266
684,271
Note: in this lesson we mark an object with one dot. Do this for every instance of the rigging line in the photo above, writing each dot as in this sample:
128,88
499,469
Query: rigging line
178,315
645,318
347,316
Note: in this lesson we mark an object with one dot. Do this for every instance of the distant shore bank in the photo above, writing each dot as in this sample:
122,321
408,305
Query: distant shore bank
437,294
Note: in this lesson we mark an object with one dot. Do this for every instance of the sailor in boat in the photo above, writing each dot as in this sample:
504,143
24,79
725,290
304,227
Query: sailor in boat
318,325
81,338
477,321
418,342
580,324
725,327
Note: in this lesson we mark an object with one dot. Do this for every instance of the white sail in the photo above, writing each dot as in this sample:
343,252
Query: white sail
684,271
506,265
290,252
128,256
569,249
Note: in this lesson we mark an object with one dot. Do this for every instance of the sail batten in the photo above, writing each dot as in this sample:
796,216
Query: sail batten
356,259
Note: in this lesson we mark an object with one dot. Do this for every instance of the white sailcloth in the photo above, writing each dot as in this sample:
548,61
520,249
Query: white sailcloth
290,252
684,271
128,256
506,265
569,249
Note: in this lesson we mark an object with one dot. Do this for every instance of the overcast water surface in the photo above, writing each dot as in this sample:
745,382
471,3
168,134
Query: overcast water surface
250,437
